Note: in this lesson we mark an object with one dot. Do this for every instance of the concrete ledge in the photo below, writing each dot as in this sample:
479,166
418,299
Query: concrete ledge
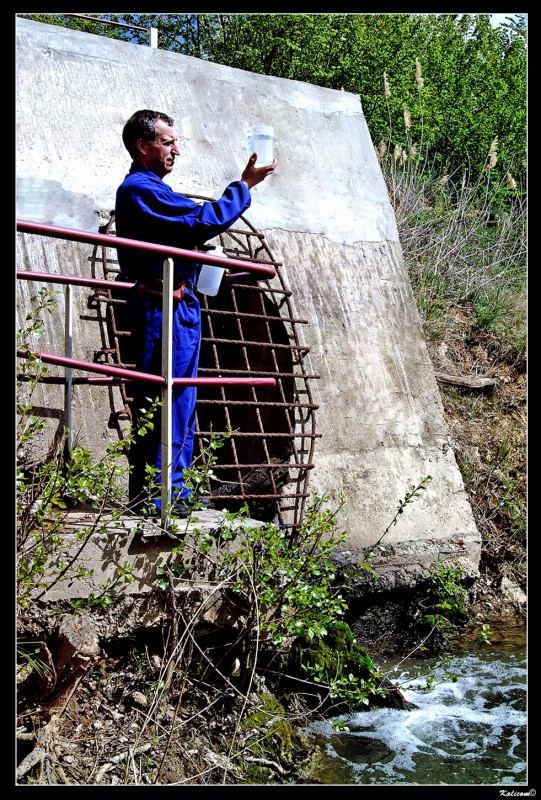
139,548
100,547
403,565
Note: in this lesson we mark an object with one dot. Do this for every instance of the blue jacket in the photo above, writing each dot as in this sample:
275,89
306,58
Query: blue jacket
149,210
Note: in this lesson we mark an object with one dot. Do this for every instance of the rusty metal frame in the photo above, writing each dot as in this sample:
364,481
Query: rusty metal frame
251,329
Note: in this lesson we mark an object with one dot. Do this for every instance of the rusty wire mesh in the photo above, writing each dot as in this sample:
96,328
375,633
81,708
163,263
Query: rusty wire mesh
249,329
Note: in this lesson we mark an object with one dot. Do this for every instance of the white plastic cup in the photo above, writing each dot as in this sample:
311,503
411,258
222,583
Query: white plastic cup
260,140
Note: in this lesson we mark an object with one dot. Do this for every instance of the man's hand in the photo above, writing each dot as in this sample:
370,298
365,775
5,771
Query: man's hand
253,175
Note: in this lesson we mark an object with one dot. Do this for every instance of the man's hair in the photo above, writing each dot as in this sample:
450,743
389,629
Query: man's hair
141,126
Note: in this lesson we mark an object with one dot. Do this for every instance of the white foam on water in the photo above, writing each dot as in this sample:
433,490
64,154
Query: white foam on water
468,730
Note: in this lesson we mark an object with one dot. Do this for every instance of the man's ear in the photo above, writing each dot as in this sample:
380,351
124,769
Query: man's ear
141,145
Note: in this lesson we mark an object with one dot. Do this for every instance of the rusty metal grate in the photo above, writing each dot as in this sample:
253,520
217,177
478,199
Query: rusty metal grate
248,329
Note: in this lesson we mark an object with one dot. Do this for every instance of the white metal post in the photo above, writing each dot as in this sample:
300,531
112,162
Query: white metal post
167,389
68,352
154,37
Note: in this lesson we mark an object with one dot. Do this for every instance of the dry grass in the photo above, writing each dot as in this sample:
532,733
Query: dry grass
465,251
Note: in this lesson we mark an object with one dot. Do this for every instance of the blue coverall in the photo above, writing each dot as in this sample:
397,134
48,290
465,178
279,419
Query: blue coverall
149,210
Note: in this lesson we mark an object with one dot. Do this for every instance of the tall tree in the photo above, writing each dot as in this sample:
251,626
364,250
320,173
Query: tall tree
460,83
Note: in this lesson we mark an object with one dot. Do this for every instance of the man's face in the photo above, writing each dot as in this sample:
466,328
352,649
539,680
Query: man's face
159,155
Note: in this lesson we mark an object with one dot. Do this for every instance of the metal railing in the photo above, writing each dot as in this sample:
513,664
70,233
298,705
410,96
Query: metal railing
152,32
166,379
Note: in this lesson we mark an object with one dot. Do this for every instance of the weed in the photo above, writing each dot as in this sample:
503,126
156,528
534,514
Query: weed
485,633
411,495
447,599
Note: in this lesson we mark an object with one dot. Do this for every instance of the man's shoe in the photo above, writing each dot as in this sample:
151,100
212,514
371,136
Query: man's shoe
205,502
183,507
180,511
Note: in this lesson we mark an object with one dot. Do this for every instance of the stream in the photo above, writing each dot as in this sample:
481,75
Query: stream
468,727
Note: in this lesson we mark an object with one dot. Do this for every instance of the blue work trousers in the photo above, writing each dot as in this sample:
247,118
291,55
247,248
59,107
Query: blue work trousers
145,312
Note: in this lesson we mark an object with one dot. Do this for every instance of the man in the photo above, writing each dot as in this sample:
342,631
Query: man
149,210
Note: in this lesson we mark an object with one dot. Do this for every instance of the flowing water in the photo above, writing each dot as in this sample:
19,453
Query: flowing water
469,729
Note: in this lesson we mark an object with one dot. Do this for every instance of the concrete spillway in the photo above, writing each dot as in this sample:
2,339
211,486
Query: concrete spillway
326,217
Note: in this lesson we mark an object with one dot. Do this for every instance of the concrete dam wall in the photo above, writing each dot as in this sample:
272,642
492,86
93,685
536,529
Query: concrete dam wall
326,216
